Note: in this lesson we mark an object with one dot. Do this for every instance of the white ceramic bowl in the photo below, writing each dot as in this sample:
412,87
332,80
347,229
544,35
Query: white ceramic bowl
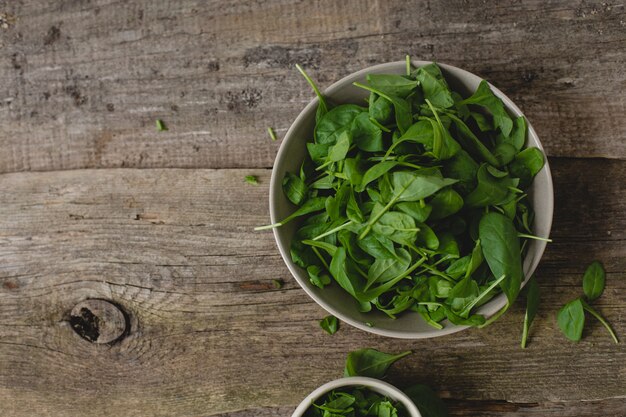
375,385
333,298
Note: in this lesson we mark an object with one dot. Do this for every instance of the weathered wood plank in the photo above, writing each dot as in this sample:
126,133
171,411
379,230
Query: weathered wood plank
81,83
210,334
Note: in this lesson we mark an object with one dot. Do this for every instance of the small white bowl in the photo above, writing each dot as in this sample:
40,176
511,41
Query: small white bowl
372,384
333,298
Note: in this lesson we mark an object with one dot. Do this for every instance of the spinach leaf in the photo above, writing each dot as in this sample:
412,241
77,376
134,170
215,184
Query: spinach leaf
402,108
532,305
330,324
380,109
385,269
491,190
295,189
370,362
377,246
484,97
418,210
434,85
341,271
527,164
445,203
483,123
395,85
366,135
316,276
396,226
593,281
375,172
470,142
336,122
571,320
501,249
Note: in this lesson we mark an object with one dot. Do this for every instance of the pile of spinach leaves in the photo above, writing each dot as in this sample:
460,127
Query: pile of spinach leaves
355,402
416,200
360,401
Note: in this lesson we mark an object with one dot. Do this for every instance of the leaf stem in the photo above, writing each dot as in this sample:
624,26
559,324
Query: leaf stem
381,127
543,239
371,222
601,319
495,316
312,84
475,301
525,330
333,230
272,133
319,255
408,64
268,226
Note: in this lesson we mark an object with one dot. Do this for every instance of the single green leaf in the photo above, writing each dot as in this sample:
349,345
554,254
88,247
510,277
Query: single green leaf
401,107
471,143
415,185
375,172
336,122
484,97
483,123
396,85
339,149
593,281
330,324
380,109
340,270
398,227
370,362
444,145
385,269
365,134
294,188
416,209
378,246
490,191
160,125
464,169
445,203
526,165
571,319
501,249
434,86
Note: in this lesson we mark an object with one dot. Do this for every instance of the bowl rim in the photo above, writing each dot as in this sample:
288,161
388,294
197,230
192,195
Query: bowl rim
489,308
374,384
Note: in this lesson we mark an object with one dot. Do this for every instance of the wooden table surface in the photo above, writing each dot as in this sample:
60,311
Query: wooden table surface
95,203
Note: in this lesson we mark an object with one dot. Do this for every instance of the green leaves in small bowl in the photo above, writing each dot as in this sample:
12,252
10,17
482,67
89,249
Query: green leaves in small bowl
415,201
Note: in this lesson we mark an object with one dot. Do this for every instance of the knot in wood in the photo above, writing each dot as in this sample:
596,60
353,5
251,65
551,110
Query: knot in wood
99,321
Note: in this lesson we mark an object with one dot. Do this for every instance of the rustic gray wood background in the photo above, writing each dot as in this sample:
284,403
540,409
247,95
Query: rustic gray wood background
95,203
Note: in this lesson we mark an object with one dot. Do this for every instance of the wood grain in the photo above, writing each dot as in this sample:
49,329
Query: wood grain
82,82
211,335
